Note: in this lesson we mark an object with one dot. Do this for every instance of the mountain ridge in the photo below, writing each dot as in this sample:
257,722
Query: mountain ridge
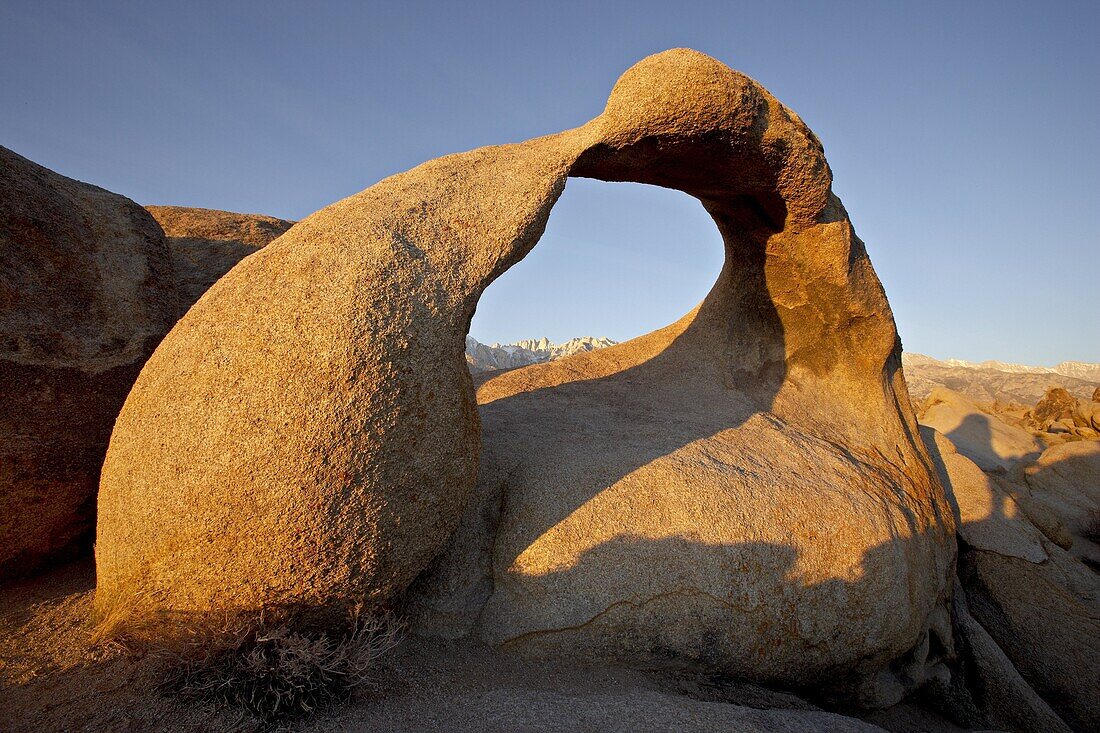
1075,369
986,381
488,357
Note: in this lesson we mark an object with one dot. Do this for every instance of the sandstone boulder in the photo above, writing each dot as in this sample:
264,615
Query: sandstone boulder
1089,413
987,516
985,439
743,490
1003,697
86,291
206,243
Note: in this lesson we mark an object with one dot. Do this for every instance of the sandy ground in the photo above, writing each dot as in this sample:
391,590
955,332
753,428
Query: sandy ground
53,678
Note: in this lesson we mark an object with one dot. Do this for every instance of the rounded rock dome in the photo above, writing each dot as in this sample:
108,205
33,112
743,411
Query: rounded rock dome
679,91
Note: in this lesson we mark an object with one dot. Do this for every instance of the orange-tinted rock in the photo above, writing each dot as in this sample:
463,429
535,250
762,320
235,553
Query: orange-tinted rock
1056,404
206,243
86,291
744,489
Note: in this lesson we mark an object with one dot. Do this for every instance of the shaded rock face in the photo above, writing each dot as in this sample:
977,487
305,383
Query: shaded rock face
86,291
985,439
206,243
1029,615
1066,478
744,489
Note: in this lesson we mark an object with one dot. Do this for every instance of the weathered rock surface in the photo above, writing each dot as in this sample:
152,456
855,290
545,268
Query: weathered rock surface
1003,698
1067,478
985,439
1056,404
1036,602
86,291
1051,634
206,243
987,516
743,490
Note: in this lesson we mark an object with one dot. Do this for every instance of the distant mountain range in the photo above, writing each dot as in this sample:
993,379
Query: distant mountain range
986,381
990,381
1075,369
483,358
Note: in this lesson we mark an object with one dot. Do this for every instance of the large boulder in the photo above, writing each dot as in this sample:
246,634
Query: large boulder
743,490
987,516
1002,697
1055,405
206,243
985,439
86,291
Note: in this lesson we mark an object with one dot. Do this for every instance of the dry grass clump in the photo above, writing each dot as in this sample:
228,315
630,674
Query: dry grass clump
277,674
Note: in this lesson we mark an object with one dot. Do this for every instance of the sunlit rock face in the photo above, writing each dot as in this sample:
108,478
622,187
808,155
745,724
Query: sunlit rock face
743,490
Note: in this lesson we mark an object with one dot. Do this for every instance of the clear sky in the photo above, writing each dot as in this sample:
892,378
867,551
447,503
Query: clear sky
964,137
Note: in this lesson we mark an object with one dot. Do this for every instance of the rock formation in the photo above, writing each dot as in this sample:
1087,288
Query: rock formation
743,490
206,243
1066,478
1056,404
983,438
86,291
1027,610
1060,412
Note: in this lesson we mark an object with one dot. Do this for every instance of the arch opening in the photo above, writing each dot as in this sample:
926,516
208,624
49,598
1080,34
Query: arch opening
615,262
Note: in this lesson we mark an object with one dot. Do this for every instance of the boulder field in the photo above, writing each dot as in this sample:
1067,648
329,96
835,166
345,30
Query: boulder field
987,440
744,490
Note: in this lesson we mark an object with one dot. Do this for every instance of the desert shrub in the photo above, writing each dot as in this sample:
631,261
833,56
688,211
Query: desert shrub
275,673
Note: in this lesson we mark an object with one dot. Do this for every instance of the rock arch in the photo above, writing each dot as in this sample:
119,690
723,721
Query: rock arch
307,436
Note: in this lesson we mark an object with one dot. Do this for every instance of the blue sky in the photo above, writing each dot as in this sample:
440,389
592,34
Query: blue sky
964,137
